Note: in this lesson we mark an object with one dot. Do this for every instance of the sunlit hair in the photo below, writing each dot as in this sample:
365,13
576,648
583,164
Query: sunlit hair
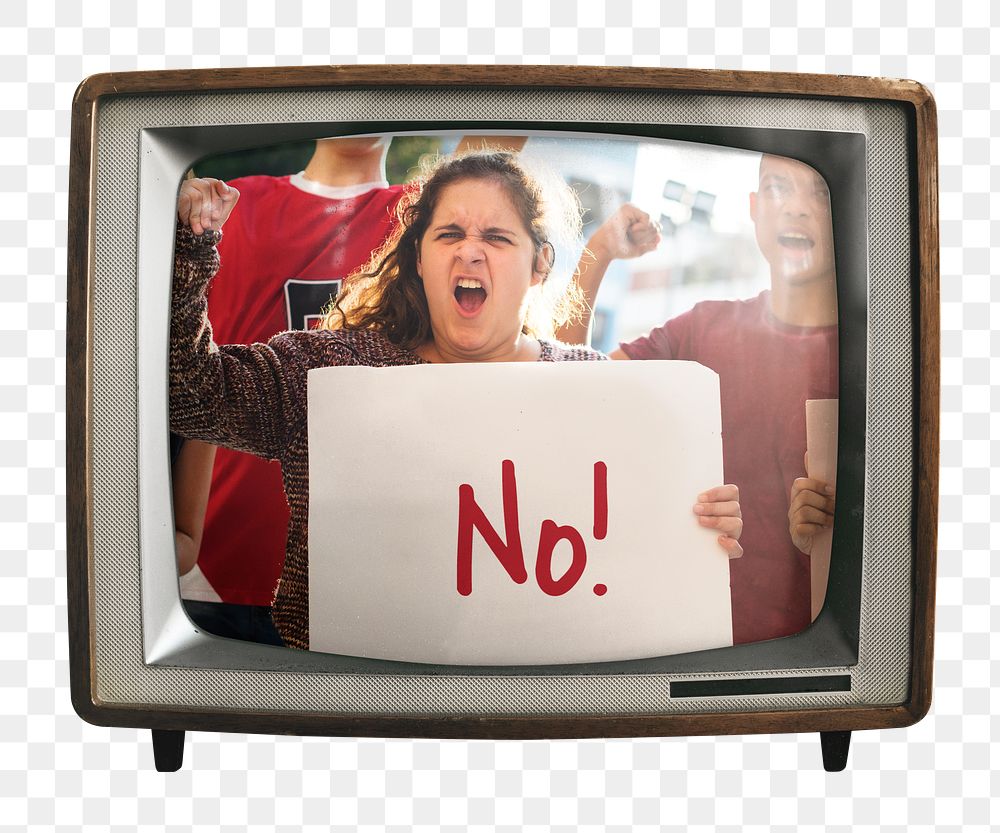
387,294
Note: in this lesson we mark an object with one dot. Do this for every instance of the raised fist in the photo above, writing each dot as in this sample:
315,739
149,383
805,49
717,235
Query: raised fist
205,204
627,233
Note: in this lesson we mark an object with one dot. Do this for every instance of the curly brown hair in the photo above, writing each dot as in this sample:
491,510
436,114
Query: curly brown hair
387,294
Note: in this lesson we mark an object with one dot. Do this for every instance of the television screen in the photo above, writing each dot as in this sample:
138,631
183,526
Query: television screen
743,283
401,299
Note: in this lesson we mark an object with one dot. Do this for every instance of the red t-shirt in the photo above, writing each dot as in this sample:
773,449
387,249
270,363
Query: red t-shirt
287,246
767,370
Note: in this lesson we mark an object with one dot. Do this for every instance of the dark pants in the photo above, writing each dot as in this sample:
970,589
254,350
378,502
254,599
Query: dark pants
251,623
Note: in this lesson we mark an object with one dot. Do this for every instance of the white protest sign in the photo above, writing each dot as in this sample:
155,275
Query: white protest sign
510,514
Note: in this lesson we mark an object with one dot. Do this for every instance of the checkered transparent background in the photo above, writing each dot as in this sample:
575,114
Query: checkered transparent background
56,771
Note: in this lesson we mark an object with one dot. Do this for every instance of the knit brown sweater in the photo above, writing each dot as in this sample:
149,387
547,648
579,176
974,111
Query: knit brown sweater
253,398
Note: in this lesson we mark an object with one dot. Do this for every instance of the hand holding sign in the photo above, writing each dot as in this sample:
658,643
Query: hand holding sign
719,508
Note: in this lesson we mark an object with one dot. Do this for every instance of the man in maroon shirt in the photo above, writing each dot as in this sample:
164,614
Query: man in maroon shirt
772,353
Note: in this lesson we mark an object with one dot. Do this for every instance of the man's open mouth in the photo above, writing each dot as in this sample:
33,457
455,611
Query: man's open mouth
470,294
795,240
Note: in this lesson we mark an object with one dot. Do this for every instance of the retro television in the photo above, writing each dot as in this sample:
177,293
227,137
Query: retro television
865,662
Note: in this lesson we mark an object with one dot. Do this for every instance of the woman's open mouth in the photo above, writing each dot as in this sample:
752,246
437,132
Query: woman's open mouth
470,295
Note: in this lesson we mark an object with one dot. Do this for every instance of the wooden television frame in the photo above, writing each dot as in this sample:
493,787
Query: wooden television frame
169,723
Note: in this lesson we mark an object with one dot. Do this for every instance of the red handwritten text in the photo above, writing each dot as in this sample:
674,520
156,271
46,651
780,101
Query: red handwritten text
510,553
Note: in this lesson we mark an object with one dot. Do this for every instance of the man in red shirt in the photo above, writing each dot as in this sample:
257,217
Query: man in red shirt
288,245
772,353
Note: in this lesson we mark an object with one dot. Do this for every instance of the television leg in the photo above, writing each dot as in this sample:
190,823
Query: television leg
835,747
168,749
